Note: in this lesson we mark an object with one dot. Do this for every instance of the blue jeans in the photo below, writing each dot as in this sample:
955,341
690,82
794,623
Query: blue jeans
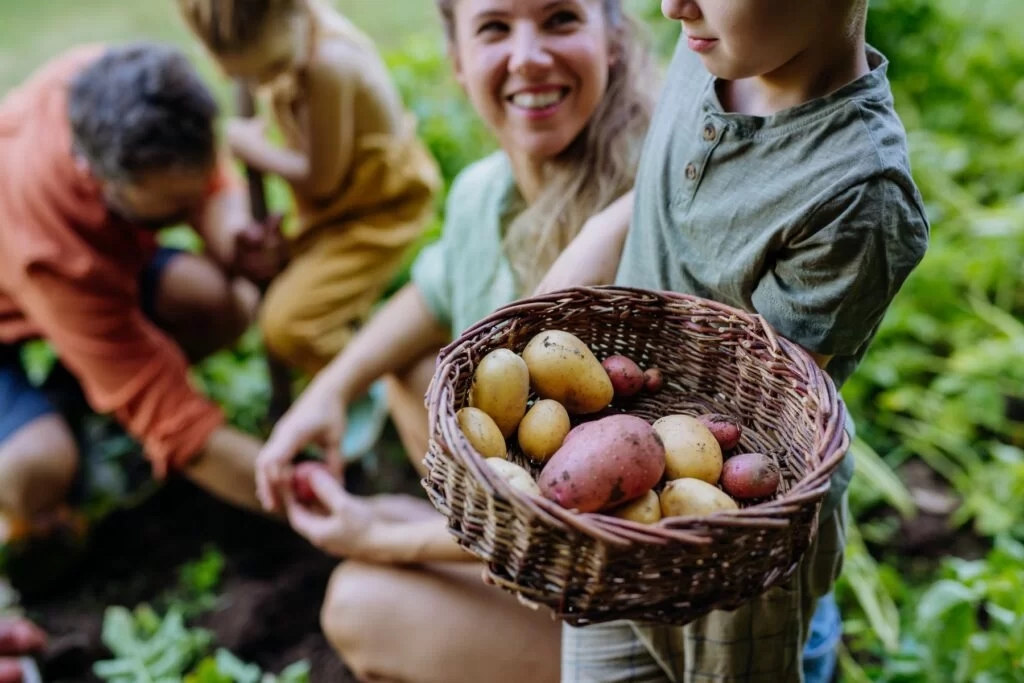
820,653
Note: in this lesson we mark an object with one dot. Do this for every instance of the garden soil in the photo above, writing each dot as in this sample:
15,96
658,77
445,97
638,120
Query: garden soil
268,604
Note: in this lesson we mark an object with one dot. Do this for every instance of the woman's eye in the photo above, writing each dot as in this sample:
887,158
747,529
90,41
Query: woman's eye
491,27
563,18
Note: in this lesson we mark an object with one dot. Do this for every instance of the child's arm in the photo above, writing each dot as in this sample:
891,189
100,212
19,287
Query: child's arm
317,170
592,258
828,288
401,333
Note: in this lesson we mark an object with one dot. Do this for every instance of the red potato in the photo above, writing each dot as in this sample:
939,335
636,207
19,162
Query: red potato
750,475
726,429
300,481
613,461
653,380
626,376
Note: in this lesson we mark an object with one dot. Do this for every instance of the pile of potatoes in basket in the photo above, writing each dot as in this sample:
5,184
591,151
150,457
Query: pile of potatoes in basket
611,463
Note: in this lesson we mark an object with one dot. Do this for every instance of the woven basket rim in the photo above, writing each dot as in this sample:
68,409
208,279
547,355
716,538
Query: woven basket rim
809,490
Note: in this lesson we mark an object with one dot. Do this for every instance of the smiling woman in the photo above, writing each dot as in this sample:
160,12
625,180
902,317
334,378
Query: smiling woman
565,88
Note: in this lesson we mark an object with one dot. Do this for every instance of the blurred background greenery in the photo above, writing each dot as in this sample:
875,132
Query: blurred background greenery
933,587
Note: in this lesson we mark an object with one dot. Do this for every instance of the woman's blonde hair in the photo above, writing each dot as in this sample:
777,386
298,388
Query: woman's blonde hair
599,166
229,25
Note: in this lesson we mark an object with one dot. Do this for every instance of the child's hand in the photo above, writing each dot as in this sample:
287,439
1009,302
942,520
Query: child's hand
260,251
246,136
317,417
340,524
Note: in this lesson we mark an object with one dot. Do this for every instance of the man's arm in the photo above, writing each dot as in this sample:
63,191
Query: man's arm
126,365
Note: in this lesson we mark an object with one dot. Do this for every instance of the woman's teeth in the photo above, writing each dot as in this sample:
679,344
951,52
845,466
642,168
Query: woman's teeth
537,100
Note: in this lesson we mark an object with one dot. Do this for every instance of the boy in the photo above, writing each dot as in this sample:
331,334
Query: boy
99,149
775,178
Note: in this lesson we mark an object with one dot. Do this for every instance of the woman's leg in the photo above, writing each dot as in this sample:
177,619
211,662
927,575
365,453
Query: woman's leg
436,624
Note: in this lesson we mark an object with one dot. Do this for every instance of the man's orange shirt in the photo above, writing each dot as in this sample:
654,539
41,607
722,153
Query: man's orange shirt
69,274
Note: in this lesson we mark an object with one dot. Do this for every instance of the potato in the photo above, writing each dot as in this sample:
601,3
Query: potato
691,450
626,376
615,460
653,380
726,429
644,510
301,487
750,475
501,388
482,432
543,429
682,497
515,475
564,369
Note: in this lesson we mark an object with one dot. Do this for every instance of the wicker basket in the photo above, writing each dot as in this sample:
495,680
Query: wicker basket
591,568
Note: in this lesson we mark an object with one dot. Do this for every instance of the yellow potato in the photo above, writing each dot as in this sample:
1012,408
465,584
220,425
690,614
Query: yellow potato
684,497
482,432
515,475
564,369
645,510
501,387
543,429
691,450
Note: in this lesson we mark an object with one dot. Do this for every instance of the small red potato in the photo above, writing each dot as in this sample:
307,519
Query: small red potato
300,481
653,380
750,475
726,429
626,376
615,460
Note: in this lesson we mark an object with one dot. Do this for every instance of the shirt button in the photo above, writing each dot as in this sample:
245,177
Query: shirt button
710,133
691,171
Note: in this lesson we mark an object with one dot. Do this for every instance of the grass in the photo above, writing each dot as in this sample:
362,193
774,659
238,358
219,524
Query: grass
32,31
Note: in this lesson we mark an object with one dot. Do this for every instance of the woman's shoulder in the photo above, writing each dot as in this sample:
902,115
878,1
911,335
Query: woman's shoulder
479,178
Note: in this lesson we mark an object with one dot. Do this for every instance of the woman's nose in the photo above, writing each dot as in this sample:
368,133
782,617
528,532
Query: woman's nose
681,10
530,56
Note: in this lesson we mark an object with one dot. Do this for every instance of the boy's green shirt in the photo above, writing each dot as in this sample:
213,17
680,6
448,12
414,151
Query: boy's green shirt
808,217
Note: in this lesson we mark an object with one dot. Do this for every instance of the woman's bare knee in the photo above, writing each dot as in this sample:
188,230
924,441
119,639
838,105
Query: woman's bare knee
38,464
354,613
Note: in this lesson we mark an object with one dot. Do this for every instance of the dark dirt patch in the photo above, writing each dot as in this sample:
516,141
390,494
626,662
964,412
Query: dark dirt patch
272,584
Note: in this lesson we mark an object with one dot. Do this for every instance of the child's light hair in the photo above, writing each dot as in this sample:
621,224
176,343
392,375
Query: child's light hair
598,167
227,25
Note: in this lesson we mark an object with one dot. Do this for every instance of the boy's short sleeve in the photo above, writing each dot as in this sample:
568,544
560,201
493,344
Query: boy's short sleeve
829,288
430,276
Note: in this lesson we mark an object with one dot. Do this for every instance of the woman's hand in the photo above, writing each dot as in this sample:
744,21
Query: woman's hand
341,524
316,418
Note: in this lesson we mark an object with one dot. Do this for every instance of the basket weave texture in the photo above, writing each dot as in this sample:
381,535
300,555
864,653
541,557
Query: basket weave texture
592,568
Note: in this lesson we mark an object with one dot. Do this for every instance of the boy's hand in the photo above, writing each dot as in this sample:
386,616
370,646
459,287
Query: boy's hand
317,417
260,251
593,257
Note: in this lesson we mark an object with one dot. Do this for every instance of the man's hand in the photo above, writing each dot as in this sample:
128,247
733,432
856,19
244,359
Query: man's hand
593,257
261,251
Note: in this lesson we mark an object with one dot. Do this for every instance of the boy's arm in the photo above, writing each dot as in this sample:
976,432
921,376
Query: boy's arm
829,287
592,258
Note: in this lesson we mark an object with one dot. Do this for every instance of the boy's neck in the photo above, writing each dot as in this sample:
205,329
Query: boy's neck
822,68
